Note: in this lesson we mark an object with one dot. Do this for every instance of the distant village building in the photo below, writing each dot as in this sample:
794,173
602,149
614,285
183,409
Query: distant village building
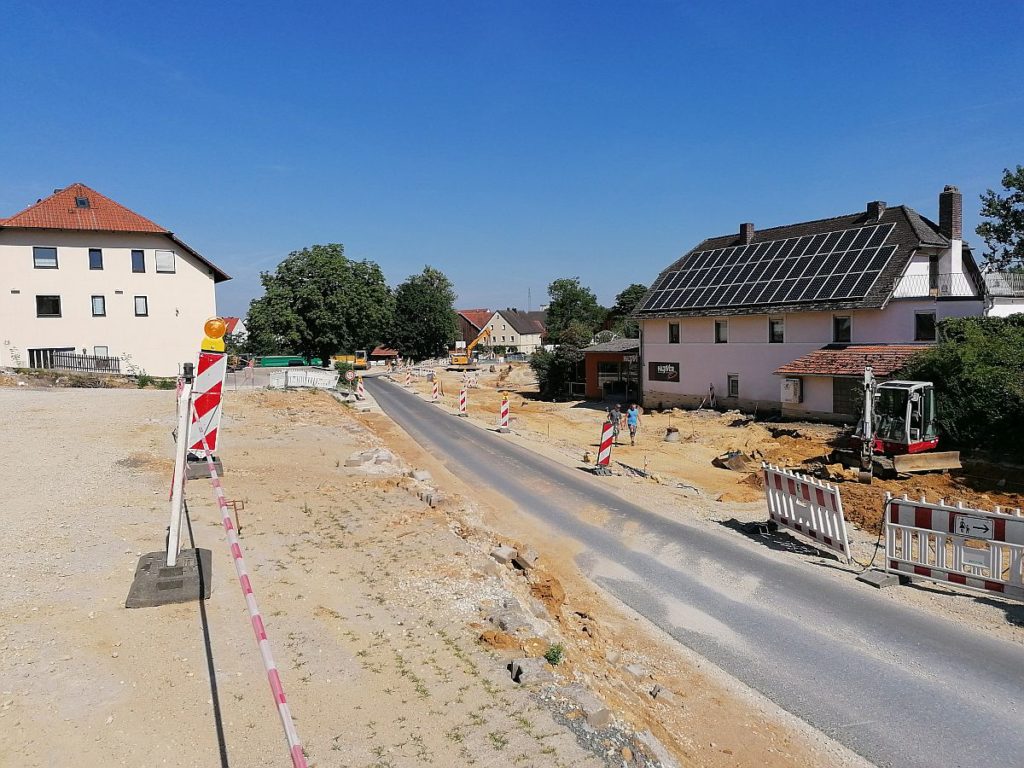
785,318
1006,292
84,277
472,322
517,331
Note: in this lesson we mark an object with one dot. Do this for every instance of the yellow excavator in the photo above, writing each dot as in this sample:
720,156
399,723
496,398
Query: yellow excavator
462,359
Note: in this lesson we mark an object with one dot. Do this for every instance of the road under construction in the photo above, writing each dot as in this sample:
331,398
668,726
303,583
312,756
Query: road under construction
895,684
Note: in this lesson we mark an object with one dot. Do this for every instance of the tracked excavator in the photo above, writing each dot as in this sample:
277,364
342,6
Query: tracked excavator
462,359
898,429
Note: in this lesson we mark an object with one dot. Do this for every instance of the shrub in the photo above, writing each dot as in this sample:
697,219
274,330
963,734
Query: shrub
554,654
143,379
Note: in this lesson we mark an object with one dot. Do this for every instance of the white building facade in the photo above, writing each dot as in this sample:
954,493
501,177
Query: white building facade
81,274
804,355
517,331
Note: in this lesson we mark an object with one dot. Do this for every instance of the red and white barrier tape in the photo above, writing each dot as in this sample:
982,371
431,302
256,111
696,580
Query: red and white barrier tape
294,747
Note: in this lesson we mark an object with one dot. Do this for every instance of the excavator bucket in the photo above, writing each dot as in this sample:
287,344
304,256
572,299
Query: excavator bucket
927,462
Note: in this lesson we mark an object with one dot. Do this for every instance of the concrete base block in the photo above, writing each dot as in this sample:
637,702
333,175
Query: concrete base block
603,471
531,671
155,584
463,415
504,554
503,430
881,579
197,468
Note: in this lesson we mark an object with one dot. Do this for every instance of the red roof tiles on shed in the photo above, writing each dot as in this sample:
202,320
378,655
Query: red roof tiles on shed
850,360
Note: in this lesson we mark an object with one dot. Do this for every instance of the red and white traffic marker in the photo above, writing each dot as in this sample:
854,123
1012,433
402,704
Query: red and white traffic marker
433,393
207,391
360,390
604,453
462,403
408,378
503,415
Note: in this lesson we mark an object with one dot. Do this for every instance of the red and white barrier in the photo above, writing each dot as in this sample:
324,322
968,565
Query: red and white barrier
503,415
433,392
808,506
360,389
930,541
604,453
462,403
258,628
207,391
408,378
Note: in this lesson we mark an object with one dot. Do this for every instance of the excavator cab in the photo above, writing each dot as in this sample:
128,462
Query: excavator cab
905,417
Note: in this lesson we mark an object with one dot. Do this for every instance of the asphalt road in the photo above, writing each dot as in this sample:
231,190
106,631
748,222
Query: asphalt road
894,684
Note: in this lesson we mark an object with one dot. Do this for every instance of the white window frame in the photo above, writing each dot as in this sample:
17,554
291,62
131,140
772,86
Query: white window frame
96,351
730,379
162,268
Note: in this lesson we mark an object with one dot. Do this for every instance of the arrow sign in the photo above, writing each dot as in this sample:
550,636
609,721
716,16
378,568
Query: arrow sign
977,527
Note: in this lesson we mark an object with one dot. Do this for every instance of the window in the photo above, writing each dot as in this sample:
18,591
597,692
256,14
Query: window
776,330
734,385
47,306
44,258
721,331
141,306
99,306
842,329
81,202
101,351
847,396
165,261
138,261
95,258
924,326
673,333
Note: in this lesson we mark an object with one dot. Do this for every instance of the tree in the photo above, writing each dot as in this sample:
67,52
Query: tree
557,370
625,303
318,303
425,321
1003,233
978,371
572,302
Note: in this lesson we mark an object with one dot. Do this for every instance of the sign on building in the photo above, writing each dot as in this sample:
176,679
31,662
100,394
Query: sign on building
663,371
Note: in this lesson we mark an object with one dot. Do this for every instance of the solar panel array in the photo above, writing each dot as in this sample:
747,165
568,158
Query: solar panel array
830,266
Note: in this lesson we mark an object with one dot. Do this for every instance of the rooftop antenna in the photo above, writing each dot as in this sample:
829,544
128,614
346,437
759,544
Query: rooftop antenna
529,300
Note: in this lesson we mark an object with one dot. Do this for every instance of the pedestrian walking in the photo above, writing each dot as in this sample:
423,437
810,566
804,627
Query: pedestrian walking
633,422
615,418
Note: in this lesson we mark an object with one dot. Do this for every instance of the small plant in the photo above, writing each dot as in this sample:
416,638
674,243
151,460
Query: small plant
144,380
165,383
554,654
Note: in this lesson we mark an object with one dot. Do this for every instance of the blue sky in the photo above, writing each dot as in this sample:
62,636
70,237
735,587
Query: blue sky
506,144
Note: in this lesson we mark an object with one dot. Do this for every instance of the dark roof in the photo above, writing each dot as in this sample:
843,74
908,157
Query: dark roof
615,345
852,359
81,208
526,322
909,232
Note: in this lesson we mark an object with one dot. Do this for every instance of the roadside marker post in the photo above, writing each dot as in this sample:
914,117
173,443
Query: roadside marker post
462,403
503,415
208,392
433,393
360,390
408,379
604,453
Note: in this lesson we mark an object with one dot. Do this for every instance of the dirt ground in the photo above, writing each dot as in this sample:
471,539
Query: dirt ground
379,609
575,427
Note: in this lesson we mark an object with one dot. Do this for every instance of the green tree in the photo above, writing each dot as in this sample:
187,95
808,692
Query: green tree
318,303
558,369
1003,233
425,321
978,372
627,301
572,302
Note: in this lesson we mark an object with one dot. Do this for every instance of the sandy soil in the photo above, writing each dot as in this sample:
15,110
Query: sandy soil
375,604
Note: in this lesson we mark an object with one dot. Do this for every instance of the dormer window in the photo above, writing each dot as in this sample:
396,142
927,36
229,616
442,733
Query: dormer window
81,202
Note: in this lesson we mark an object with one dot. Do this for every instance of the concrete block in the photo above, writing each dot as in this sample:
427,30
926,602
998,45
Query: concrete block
601,718
594,710
663,695
511,622
881,579
526,559
636,671
530,671
197,469
421,475
657,750
155,584
504,554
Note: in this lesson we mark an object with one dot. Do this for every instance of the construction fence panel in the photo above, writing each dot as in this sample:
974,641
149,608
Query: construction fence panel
304,378
808,506
973,548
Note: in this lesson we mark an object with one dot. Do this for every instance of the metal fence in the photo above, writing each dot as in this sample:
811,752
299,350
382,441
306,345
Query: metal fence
936,285
69,361
1005,284
304,378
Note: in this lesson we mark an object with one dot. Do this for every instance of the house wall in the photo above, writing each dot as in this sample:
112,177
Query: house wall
748,354
467,331
179,302
503,334
1004,307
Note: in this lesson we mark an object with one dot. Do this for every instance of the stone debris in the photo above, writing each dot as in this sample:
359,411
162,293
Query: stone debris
596,713
421,475
374,460
526,559
504,554
657,750
531,671
636,671
663,695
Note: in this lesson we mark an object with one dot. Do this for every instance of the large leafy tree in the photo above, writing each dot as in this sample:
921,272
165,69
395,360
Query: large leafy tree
1003,233
627,301
318,303
571,303
558,369
425,320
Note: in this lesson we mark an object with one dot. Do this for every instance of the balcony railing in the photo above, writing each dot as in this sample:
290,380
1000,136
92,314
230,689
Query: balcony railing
956,284
1005,284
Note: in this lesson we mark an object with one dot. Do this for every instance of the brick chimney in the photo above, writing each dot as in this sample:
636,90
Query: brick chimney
951,213
875,210
746,233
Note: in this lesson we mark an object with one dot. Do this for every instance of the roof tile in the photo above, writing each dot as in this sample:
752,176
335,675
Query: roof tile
101,214
850,360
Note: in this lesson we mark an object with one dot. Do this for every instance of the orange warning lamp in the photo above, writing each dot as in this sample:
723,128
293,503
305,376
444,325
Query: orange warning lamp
214,328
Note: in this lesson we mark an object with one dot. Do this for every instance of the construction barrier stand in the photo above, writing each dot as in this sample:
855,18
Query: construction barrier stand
462,402
808,506
604,453
207,392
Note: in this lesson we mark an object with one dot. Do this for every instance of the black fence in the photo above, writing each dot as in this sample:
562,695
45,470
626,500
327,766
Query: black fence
69,361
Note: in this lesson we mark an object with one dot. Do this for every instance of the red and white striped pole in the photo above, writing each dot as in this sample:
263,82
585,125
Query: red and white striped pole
433,392
503,415
274,678
604,453
408,378
462,403
360,390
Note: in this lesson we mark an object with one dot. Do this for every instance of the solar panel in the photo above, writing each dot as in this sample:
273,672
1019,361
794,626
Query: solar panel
837,265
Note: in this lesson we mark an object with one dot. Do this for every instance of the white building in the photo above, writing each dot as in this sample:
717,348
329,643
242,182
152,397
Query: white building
785,319
517,331
82,274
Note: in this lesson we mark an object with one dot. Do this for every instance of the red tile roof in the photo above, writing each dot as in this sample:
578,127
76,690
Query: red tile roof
476,317
384,352
851,359
59,211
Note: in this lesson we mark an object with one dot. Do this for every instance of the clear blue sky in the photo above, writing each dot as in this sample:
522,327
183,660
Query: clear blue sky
506,144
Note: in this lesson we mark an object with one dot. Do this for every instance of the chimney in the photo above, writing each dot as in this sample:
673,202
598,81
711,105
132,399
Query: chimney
951,213
746,233
875,210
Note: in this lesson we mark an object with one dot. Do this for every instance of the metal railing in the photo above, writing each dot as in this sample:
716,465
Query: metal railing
1005,284
69,361
955,284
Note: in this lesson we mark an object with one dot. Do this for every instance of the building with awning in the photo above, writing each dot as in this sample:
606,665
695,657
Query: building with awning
612,370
